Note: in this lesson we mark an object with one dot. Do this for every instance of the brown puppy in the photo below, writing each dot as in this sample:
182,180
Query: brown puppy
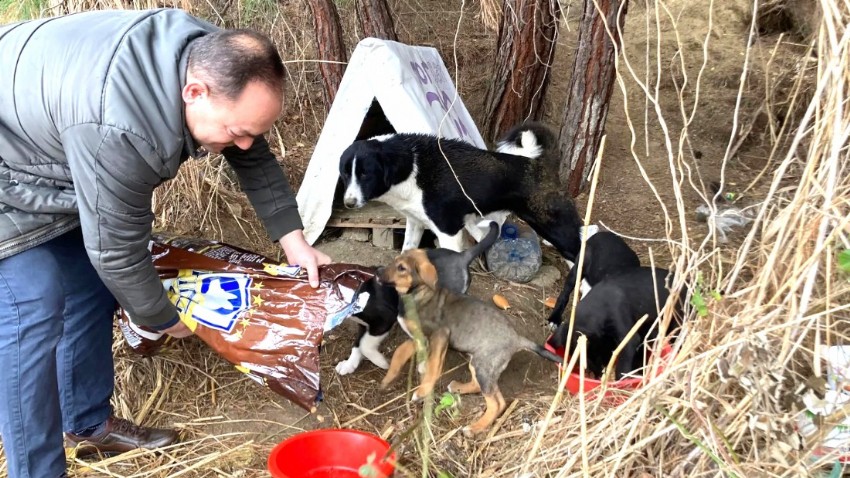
461,322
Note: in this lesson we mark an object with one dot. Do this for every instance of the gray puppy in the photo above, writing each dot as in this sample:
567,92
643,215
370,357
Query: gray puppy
465,324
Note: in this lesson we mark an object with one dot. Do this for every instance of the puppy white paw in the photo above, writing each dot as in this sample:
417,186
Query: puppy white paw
369,348
347,366
453,386
552,326
467,432
422,368
415,397
380,361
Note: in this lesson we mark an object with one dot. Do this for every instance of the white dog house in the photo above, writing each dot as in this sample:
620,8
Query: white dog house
387,87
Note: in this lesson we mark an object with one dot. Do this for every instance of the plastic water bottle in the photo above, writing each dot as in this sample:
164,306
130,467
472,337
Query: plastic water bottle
516,256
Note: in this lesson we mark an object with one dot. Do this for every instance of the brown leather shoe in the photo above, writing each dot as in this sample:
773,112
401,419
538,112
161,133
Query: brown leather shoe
120,436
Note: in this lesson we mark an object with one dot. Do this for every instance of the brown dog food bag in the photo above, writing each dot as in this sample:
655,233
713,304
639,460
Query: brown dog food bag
261,316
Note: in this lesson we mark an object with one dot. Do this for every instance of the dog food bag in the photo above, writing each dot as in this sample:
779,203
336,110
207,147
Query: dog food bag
516,255
261,316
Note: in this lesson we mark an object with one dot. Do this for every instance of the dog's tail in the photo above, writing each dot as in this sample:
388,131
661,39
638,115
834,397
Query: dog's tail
530,139
470,254
541,351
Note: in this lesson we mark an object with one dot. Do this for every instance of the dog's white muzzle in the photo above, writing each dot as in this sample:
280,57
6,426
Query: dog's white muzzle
353,197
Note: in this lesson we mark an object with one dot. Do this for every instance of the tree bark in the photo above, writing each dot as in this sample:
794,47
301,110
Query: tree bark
590,90
526,47
330,46
375,19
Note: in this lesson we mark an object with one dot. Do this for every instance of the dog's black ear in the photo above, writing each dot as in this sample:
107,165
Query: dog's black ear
388,166
427,272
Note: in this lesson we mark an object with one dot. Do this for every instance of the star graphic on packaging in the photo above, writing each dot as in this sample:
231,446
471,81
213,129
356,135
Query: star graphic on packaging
257,286
245,322
258,300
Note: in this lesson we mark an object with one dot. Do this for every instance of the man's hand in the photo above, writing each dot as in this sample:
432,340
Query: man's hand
298,252
178,330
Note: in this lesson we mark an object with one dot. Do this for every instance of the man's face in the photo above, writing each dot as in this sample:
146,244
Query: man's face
217,122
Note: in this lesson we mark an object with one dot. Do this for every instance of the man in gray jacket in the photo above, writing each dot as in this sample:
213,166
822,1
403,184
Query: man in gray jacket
96,110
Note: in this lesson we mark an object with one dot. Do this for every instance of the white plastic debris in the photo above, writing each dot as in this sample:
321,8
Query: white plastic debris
725,218
828,416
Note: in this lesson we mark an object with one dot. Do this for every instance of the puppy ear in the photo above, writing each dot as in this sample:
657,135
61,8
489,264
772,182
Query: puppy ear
427,272
387,166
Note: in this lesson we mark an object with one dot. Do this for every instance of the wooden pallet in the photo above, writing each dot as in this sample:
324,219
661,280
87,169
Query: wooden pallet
378,217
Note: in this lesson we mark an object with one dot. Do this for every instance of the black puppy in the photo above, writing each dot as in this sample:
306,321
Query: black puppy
610,310
604,254
384,307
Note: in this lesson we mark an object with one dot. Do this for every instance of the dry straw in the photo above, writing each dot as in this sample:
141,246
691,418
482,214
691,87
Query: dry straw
728,402
490,14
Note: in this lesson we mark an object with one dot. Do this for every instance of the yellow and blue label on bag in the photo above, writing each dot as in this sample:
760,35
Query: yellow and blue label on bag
216,300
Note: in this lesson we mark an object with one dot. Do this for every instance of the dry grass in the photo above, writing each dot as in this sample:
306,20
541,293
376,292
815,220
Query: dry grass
725,406
490,14
223,417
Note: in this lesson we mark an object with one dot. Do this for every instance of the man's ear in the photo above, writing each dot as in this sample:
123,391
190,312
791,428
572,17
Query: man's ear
427,272
194,90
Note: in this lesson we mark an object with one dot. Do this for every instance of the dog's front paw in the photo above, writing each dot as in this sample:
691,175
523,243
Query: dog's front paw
454,386
553,326
347,366
422,368
381,363
467,432
421,392
378,360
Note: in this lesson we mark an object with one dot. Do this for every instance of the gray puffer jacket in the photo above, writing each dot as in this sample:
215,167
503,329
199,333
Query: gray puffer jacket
91,121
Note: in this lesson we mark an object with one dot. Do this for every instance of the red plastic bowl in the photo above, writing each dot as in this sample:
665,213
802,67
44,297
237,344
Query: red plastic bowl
630,383
330,453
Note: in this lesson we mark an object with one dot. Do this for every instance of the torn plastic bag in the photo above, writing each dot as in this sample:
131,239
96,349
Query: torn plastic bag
261,316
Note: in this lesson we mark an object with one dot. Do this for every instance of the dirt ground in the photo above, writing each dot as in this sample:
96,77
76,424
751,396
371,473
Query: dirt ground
624,201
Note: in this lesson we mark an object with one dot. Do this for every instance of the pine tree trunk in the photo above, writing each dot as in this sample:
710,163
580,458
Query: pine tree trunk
527,38
330,46
590,90
375,19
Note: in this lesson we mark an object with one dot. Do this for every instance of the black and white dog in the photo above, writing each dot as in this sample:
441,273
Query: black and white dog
444,184
384,308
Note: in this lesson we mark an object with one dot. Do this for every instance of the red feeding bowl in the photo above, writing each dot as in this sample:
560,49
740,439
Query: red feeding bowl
330,453
613,393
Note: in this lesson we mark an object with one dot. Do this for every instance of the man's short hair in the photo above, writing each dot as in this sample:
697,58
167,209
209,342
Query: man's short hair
230,59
